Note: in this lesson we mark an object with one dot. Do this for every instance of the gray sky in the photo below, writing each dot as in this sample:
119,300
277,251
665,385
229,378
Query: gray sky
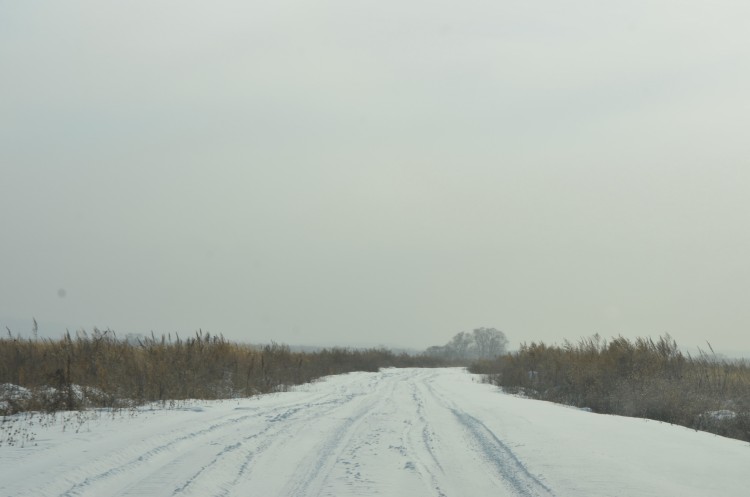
377,172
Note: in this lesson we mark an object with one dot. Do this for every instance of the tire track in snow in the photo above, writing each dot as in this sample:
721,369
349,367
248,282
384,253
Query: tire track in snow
242,452
499,455
396,432
499,458
143,459
417,440
426,432
316,469
156,478
278,425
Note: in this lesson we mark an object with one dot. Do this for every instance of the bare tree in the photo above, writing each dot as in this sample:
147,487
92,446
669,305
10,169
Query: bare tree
489,342
482,343
461,345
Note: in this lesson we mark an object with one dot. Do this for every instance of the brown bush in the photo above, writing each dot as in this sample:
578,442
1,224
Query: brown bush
98,369
641,378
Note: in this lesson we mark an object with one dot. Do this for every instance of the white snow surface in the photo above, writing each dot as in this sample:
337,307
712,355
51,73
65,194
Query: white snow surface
399,432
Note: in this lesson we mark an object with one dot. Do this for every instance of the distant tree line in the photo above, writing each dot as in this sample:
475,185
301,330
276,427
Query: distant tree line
479,344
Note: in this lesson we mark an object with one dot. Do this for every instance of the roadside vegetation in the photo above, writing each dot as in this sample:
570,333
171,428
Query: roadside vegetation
643,378
98,369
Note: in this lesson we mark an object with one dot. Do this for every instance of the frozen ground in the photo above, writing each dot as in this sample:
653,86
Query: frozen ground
401,432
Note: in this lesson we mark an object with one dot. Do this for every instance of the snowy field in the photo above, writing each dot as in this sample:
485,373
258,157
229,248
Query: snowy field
400,432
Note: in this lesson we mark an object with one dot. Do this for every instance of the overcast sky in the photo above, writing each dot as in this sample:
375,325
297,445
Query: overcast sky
377,172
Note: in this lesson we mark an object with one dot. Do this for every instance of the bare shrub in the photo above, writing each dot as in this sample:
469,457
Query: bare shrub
99,369
641,378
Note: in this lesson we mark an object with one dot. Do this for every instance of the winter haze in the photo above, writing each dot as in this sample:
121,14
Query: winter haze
387,172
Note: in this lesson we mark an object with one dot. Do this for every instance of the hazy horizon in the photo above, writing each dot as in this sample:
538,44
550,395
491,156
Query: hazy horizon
54,331
378,173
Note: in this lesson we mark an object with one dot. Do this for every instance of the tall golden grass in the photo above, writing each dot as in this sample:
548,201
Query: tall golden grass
99,369
642,378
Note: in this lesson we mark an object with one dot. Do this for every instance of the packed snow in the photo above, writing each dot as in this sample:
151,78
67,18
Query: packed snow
399,432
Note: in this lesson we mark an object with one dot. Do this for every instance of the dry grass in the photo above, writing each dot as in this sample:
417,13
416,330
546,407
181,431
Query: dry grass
641,378
98,369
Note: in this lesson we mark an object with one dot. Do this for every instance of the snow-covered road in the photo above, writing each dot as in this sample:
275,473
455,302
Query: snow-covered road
400,432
